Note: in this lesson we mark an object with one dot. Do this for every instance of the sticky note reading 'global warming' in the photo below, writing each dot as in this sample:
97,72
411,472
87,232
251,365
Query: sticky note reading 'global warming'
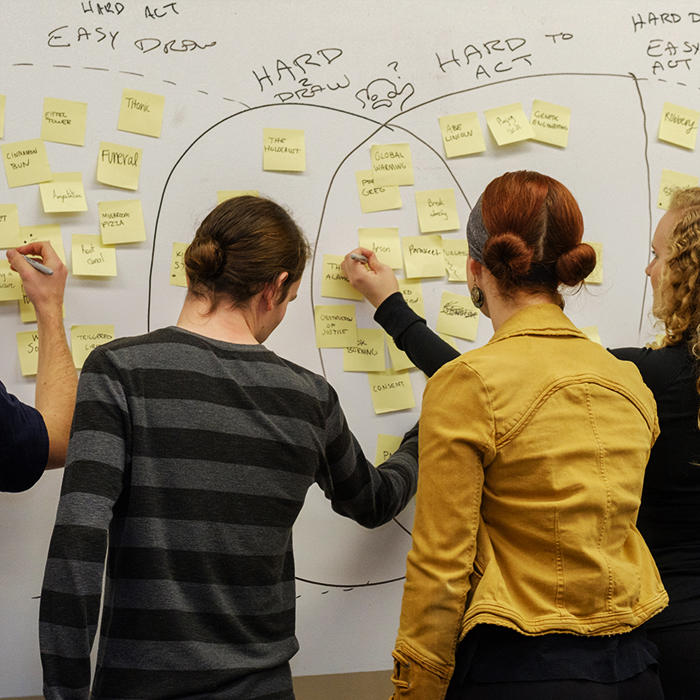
392,164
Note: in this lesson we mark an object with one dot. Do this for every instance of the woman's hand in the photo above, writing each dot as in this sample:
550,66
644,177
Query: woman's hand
373,279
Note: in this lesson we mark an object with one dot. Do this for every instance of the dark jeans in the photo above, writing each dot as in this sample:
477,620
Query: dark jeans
679,661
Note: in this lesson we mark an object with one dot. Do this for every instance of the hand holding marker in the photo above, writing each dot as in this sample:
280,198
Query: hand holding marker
37,265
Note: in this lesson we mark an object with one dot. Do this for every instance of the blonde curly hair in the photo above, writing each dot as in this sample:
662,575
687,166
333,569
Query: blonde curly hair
677,299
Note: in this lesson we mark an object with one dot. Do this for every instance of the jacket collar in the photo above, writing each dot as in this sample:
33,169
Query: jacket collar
539,319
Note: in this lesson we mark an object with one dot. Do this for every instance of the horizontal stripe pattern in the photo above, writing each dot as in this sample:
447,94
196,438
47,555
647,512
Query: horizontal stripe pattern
188,464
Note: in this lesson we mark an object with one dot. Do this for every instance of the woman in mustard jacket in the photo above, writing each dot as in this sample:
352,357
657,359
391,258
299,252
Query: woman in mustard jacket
527,577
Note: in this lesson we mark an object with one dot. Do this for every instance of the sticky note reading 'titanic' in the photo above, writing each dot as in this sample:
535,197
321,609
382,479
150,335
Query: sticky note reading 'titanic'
141,113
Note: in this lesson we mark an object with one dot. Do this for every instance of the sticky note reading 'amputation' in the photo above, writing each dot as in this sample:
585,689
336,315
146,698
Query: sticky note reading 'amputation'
550,123
84,339
178,276
334,283
374,197
458,316
65,193
391,391
456,252
392,164
672,181
679,125
141,113
422,256
91,258
385,243
63,121
335,326
509,124
9,226
26,163
284,149
368,355
437,210
386,446
119,166
121,221
461,134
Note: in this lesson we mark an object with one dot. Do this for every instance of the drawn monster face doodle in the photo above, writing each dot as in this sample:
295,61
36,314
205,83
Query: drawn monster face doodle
382,93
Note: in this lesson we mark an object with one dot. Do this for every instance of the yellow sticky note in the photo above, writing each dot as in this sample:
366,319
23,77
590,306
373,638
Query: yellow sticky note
141,113
2,116
509,124
457,316
64,193
422,256
449,340
368,355
550,123
119,166
412,291
44,232
437,210
28,349
91,258
121,221
373,197
9,226
335,326
84,339
63,121
596,277
399,359
26,163
456,252
223,195
386,446
672,181
384,242
679,125
27,311
392,164
334,283
391,391
10,282
284,149
178,276
461,134
592,333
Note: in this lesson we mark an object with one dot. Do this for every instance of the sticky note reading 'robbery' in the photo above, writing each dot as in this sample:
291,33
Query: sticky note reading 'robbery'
679,125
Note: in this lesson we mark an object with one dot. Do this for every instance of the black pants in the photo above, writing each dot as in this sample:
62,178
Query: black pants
679,661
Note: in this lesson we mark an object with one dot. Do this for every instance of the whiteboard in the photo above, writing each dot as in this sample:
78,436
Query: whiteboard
229,69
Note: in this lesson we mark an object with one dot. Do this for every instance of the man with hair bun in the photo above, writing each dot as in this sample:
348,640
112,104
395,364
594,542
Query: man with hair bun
527,577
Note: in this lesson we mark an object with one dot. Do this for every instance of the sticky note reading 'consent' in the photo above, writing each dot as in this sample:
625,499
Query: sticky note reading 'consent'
10,282
64,193
461,135
509,124
392,164
596,277
334,283
679,125
119,166
26,163
550,123
28,349
455,252
672,181
412,292
44,232
121,221
399,359
63,121
386,446
9,226
385,243
437,210
391,391
457,316
84,339
368,355
223,195
91,258
335,326
141,113
422,256
284,149
178,276
373,197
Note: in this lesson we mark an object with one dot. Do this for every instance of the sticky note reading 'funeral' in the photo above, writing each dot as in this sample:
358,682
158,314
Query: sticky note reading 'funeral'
9,226
284,149
28,349
392,164
384,242
335,326
64,193
84,339
223,195
141,113
178,276
121,221
422,256
399,359
386,446
412,291
368,355
10,282
26,163
2,116
334,283
373,197
672,181
455,252
44,232
461,135
457,316
119,166
596,277
437,210
550,123
509,124
391,391
63,121
679,125
92,259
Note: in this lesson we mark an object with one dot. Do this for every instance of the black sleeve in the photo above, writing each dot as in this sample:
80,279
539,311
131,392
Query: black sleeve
427,350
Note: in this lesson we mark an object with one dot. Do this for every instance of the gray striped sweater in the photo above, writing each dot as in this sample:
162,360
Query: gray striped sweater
188,464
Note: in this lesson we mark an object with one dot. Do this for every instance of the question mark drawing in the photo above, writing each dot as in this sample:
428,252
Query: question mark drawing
395,64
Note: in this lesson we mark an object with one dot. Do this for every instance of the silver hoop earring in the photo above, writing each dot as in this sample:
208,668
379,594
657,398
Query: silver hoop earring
478,298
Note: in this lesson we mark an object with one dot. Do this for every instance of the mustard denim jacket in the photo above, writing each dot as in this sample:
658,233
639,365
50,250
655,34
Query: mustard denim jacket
532,456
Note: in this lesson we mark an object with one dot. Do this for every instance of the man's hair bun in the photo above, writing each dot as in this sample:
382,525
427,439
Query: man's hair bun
204,259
